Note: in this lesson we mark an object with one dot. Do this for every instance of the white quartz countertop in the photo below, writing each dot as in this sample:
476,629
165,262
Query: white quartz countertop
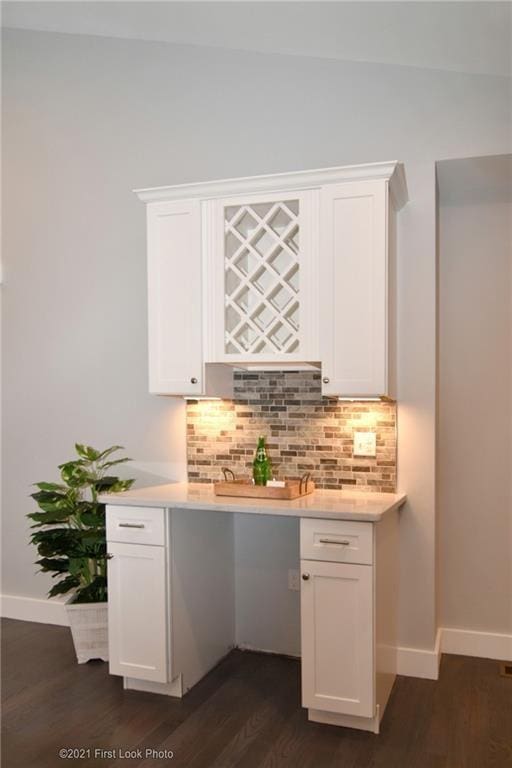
337,505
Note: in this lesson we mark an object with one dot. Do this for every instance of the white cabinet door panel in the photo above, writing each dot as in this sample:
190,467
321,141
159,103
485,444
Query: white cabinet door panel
137,611
353,288
337,638
174,298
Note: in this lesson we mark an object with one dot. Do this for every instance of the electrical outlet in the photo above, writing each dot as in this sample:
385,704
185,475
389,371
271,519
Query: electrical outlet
365,443
293,580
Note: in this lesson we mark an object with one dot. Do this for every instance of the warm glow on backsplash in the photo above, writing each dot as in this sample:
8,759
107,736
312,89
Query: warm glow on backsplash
305,433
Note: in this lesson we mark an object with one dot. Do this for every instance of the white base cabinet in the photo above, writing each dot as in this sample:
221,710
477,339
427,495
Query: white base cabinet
138,585
337,638
349,593
171,606
171,595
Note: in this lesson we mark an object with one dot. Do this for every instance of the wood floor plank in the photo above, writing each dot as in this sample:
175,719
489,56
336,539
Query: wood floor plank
245,713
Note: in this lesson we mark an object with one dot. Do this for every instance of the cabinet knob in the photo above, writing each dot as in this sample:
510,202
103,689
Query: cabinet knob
326,380
305,576
193,380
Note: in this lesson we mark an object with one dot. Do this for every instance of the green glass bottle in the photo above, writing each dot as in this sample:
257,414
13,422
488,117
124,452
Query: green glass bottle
261,466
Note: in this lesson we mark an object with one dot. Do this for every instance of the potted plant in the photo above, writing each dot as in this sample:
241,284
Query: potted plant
70,539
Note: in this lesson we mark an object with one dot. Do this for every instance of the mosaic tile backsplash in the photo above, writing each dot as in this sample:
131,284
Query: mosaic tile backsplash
305,433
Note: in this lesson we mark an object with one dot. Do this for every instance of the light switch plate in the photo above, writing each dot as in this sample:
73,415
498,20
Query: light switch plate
365,444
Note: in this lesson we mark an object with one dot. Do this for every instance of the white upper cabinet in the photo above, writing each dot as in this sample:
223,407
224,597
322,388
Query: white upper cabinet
354,289
285,271
175,305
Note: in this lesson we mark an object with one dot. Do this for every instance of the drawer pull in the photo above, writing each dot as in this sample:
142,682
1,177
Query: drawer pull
334,541
131,525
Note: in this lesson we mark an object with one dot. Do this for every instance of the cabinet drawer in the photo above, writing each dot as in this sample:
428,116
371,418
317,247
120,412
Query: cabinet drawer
136,525
337,541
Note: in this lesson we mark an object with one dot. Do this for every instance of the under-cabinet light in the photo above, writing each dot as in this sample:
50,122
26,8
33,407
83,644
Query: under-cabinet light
191,397
361,399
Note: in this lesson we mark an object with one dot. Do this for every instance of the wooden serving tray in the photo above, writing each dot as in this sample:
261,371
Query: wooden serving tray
292,490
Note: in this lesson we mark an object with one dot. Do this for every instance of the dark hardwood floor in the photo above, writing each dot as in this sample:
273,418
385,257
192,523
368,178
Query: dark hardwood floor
246,714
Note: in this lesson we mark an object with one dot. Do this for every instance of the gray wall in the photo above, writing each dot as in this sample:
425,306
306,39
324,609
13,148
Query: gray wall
87,120
475,400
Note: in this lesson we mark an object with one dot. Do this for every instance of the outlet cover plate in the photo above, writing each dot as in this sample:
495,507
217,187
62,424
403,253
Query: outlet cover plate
365,444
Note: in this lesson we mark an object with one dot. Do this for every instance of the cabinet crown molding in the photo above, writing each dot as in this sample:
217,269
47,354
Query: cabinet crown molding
391,171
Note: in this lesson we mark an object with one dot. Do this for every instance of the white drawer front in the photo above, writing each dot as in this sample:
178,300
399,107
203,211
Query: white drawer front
337,541
136,525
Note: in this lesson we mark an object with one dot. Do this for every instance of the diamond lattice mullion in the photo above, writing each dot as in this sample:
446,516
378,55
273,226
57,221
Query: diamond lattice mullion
244,243
244,280
232,336
281,284
284,243
288,211
280,316
271,308
231,265
239,214
267,336
271,327
262,262
265,223
239,250
271,211
244,320
283,278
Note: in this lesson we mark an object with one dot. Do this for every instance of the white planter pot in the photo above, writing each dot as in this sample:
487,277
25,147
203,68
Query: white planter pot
89,628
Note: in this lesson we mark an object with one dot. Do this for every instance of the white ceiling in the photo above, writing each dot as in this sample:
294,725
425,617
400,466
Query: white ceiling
472,37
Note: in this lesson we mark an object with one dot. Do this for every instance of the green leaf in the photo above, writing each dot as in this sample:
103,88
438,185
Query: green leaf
104,483
93,539
113,485
78,566
103,455
113,463
95,592
95,521
49,502
66,585
54,487
87,452
60,565
73,474
51,496
56,541
48,517
124,485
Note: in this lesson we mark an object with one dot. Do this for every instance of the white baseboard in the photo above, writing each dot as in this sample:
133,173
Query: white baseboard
411,662
484,645
31,609
420,662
